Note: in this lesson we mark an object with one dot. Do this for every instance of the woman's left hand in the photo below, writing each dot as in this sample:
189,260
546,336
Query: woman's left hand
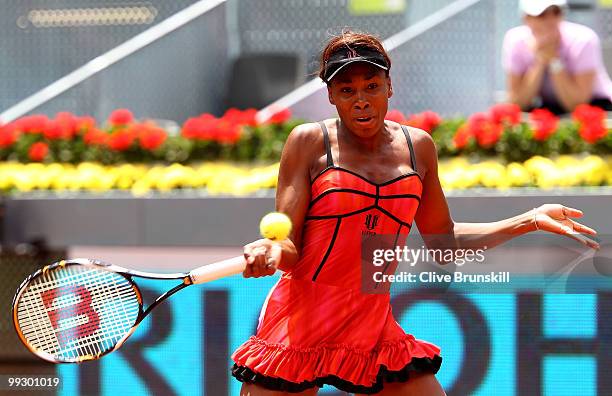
557,218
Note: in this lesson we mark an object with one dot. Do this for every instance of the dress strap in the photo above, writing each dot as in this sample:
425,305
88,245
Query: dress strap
412,157
330,159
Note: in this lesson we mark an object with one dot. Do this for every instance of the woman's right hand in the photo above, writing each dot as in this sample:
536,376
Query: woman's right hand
263,257
547,46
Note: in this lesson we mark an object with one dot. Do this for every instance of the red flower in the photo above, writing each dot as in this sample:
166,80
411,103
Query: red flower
240,117
59,130
587,114
228,133
462,137
85,123
121,139
395,115
209,127
204,127
508,113
191,128
38,151
592,122
68,123
32,124
229,127
53,130
593,132
64,126
8,135
151,136
120,117
544,123
427,121
249,117
478,119
94,136
280,116
487,132
432,119
488,136
232,115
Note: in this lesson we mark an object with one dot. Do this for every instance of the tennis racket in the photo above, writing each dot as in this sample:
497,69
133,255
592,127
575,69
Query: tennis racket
78,310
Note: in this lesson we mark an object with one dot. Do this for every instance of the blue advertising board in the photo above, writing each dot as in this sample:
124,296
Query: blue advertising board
503,344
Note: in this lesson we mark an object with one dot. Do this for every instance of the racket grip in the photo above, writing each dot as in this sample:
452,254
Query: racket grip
218,270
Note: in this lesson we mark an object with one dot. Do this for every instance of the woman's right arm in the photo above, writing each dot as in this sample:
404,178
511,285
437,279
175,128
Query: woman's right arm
522,89
522,81
292,198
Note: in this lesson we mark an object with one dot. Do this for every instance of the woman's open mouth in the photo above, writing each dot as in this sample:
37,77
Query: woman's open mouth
364,120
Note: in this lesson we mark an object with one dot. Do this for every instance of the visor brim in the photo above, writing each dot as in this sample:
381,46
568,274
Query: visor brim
347,62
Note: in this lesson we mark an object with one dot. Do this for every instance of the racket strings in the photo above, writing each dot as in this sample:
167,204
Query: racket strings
96,342
109,333
33,318
45,338
82,294
31,299
113,329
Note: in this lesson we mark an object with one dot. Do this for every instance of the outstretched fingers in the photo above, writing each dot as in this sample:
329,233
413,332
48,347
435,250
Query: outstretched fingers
582,228
573,230
582,239
571,212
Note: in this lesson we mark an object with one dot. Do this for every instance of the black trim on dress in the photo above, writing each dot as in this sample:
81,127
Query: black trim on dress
330,159
329,249
412,157
416,365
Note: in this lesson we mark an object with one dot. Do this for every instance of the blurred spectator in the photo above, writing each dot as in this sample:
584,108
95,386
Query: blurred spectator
552,63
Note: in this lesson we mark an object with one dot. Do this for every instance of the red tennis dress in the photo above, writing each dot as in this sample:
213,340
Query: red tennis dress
317,326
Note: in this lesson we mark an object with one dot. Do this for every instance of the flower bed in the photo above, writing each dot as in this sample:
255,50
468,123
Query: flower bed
236,136
68,138
501,148
217,178
225,178
504,133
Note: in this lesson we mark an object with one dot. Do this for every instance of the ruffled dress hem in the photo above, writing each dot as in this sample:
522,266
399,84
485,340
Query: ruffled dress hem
289,369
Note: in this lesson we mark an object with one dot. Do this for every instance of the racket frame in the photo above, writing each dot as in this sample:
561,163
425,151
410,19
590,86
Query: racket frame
100,265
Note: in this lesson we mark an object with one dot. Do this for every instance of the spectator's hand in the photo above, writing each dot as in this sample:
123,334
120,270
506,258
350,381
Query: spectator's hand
546,46
263,258
556,218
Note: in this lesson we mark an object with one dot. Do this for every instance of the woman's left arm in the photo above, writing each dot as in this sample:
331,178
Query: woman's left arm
439,230
573,90
576,87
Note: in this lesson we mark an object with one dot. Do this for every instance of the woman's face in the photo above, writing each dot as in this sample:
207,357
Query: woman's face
546,23
361,95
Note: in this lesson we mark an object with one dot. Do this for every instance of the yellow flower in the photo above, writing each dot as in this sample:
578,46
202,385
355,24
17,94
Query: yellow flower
537,164
226,178
518,175
609,177
140,188
594,169
493,174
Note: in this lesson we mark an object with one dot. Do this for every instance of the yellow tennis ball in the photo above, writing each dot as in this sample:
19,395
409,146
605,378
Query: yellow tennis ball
275,226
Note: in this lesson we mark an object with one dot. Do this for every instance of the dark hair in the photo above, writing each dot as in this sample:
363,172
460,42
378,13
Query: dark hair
351,40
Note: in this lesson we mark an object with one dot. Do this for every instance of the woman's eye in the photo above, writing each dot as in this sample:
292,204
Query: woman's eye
373,86
345,90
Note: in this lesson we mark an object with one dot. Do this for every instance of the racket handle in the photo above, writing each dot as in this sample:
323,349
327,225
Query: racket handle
218,270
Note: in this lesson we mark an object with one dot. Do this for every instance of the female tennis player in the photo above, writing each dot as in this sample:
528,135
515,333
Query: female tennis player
341,179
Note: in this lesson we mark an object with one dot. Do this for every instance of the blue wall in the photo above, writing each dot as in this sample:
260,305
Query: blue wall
502,344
